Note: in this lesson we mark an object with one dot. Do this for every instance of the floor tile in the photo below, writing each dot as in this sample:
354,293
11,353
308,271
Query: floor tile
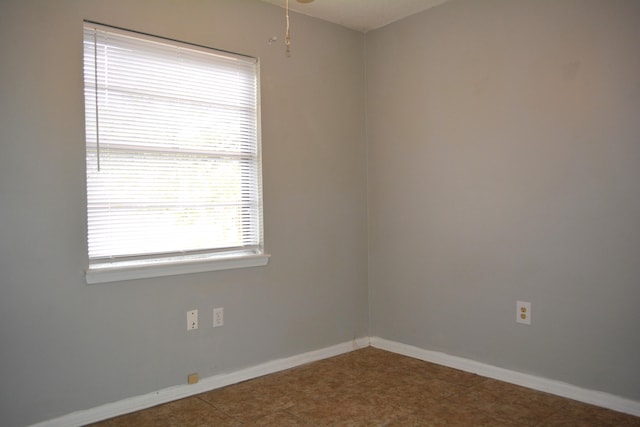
303,383
582,415
191,412
279,419
445,414
517,413
356,409
247,402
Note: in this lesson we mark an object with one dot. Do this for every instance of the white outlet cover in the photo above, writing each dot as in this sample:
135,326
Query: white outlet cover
523,312
192,320
218,317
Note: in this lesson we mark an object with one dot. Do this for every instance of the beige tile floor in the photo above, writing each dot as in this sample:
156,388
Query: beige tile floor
371,387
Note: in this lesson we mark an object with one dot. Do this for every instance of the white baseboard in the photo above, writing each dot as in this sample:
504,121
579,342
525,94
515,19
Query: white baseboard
558,388
137,403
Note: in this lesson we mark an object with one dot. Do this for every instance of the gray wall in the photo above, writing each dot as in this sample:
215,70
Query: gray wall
504,164
67,346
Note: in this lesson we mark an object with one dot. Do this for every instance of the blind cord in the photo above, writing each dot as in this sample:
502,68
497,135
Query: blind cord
95,76
287,38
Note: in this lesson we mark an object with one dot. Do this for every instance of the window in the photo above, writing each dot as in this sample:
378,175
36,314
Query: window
172,155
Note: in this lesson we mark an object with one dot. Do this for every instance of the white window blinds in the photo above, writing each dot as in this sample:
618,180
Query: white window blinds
173,153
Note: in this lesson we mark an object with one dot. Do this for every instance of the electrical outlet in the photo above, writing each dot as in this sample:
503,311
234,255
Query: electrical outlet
218,317
523,312
192,320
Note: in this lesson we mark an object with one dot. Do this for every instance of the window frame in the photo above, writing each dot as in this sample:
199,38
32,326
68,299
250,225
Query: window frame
176,262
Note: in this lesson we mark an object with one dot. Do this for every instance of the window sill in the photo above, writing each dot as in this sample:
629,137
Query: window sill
114,272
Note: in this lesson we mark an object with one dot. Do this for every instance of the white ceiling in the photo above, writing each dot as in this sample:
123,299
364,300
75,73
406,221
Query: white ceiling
361,15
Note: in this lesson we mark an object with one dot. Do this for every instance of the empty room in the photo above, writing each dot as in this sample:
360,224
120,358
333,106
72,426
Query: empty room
329,212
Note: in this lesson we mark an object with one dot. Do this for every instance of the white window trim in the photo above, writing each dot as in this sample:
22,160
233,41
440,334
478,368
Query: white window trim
114,272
